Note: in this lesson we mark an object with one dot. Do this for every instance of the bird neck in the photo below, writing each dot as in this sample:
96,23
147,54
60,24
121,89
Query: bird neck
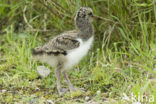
86,29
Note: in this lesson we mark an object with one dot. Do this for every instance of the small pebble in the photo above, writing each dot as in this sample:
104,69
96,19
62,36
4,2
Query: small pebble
136,103
36,88
98,92
87,98
32,101
50,102
43,71
4,90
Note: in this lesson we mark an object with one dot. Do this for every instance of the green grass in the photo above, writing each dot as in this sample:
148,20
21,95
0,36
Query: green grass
121,62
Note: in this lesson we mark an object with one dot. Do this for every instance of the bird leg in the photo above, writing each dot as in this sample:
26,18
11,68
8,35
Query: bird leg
71,87
59,88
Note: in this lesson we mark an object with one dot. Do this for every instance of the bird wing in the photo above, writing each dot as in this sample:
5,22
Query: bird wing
59,45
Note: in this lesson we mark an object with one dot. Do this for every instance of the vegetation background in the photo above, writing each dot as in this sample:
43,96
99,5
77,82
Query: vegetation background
121,63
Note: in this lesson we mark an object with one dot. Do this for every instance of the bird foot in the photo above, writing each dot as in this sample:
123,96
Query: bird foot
72,88
61,91
82,89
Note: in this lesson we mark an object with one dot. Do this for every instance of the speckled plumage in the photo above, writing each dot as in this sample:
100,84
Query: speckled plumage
68,48
59,45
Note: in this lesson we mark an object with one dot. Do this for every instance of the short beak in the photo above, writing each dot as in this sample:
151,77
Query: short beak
94,17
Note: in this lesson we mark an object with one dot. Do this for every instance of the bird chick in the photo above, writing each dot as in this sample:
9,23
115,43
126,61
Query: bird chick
67,49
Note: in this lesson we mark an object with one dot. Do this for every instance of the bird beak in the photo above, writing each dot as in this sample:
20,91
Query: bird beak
95,17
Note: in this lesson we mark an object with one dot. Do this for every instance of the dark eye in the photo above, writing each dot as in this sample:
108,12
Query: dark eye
90,14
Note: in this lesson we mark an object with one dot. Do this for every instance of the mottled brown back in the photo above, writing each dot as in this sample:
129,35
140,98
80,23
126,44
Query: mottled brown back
59,45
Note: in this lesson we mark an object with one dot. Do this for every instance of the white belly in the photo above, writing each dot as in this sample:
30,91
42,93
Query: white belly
75,55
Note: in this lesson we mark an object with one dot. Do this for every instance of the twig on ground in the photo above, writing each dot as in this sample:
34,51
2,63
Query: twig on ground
56,13
4,59
31,27
52,11
25,19
34,30
61,7
105,19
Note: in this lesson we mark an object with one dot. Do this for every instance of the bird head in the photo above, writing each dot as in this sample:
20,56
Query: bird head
85,14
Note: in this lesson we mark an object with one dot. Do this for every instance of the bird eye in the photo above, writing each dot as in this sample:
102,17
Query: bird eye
90,14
